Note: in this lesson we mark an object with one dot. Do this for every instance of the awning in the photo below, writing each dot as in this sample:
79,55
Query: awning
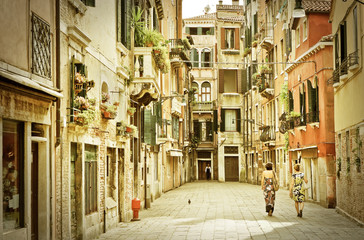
175,152
145,97
25,81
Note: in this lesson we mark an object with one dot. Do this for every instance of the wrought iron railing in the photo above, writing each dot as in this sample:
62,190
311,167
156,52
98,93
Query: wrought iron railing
41,47
268,134
312,117
203,106
179,48
342,68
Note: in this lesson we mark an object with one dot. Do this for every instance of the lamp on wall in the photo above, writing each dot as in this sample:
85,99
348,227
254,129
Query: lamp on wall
298,11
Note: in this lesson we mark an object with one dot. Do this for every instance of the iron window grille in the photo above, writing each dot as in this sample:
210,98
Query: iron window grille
41,47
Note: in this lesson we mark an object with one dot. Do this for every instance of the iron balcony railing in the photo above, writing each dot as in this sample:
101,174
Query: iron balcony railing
312,117
202,106
268,134
342,69
179,48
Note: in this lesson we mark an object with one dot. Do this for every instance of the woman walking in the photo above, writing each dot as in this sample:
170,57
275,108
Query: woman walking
298,193
268,176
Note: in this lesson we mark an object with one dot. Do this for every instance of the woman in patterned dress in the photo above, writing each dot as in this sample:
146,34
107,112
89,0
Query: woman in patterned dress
268,189
298,193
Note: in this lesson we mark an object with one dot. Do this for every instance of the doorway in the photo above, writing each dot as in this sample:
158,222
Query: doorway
34,190
201,169
232,169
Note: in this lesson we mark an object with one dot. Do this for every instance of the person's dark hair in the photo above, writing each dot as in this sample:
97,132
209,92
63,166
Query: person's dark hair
269,166
297,167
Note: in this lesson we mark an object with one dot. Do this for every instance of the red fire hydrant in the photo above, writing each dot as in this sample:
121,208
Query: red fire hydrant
135,205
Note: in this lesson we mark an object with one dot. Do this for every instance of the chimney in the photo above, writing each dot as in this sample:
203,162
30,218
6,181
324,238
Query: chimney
220,2
235,2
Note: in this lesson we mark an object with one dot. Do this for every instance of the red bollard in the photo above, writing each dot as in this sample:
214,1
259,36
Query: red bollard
135,205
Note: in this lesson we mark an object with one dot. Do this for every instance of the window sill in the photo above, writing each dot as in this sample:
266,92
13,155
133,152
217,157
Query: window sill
302,128
354,67
314,124
231,51
343,77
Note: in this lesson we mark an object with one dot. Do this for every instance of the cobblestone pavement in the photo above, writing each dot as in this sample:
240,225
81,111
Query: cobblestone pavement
232,211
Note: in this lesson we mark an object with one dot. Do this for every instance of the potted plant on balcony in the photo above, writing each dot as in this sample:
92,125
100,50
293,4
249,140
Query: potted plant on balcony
152,38
109,111
186,43
138,26
84,117
131,111
81,103
105,97
255,43
247,51
264,69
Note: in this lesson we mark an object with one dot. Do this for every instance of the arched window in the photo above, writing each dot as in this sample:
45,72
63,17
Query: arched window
206,91
195,86
313,102
194,57
105,96
206,57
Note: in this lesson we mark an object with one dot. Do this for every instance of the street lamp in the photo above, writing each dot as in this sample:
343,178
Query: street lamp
298,11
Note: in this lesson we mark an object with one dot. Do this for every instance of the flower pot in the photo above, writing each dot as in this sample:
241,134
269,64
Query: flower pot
149,44
129,130
107,114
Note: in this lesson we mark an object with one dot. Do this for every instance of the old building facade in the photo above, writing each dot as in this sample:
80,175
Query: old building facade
347,29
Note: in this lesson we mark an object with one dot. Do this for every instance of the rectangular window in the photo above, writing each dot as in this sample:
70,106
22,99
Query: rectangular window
197,129
230,38
41,50
304,30
193,31
355,25
206,58
209,133
13,175
90,178
123,22
231,150
282,56
297,37
232,120
203,154
90,3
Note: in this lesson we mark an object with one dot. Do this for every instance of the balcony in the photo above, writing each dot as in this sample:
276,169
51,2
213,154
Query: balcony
145,86
203,106
351,63
176,107
179,50
266,87
266,32
268,134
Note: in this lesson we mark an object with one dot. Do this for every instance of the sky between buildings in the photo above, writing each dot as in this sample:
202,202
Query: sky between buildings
192,8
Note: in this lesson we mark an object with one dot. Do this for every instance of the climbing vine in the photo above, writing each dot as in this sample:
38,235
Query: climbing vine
284,96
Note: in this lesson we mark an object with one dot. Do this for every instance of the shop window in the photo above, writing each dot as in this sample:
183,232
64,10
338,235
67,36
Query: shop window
13,176
90,178
206,92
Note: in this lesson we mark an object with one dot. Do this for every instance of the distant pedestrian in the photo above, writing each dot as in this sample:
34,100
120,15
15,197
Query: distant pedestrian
296,190
208,172
268,176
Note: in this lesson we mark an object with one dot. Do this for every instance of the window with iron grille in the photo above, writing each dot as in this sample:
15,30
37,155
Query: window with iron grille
231,150
41,47
90,178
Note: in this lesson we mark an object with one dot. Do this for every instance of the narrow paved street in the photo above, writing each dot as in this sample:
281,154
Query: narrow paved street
232,211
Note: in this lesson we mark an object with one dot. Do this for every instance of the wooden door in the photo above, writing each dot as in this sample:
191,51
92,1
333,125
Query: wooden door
232,169
34,191
201,169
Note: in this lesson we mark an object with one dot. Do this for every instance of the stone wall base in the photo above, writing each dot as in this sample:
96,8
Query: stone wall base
342,212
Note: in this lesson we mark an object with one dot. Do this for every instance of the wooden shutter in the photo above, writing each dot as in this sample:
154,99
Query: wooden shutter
255,23
187,30
215,123
212,30
238,120
147,126
199,31
211,58
290,101
223,44
238,77
203,63
72,84
237,38
244,81
158,112
153,132
337,60
222,125
221,80
195,59
196,129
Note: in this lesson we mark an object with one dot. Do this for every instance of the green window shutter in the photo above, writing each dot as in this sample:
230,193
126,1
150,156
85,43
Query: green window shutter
211,58
222,125
158,112
212,30
215,123
238,120
203,63
199,31
290,101
187,30
147,126
153,131
195,59
72,84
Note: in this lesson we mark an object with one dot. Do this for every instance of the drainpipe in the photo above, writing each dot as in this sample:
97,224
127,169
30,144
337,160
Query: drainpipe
58,112
145,178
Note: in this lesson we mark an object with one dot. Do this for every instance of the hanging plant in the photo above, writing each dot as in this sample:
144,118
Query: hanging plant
105,97
255,43
131,111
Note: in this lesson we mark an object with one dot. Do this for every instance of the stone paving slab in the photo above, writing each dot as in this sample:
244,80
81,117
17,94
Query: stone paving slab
232,211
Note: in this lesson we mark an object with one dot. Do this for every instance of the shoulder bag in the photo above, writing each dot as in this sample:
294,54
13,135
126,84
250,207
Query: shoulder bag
275,183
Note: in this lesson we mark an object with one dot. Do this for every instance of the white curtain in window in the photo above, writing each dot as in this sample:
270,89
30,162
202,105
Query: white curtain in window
230,120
